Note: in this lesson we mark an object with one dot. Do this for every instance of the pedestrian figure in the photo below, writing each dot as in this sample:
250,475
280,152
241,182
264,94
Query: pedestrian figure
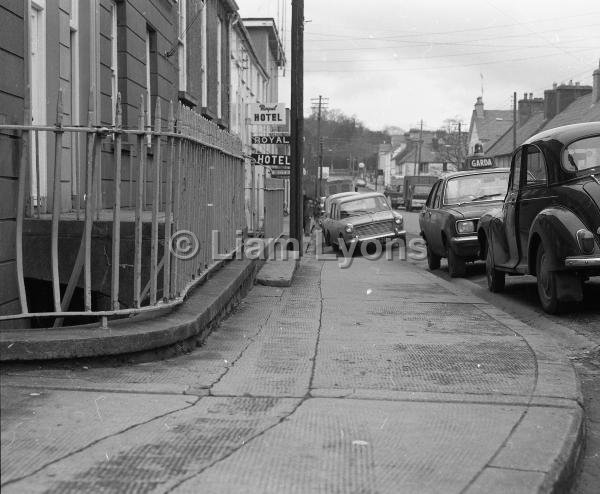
309,210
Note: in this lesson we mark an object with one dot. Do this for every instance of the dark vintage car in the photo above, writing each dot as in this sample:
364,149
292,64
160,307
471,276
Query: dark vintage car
361,218
449,219
549,224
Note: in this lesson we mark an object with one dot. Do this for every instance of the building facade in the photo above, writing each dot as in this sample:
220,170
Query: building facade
70,62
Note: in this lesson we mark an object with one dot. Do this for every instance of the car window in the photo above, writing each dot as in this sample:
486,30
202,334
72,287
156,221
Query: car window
536,167
437,200
361,206
431,200
515,172
479,187
582,154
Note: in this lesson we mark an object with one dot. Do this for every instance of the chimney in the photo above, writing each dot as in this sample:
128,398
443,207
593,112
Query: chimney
550,103
565,95
596,89
529,106
479,107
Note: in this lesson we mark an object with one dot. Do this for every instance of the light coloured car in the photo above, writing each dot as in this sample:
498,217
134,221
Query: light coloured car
362,218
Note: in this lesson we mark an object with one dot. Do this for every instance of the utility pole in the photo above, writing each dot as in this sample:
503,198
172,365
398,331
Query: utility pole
420,143
459,152
297,123
514,132
319,104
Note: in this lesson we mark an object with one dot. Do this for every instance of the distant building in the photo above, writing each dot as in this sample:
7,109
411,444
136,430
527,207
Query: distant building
562,105
198,53
486,127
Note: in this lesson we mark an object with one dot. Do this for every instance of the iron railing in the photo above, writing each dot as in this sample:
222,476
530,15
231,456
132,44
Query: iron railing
186,176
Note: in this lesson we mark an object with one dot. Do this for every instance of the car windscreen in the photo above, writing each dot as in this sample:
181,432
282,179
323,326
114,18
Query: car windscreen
362,206
582,155
470,188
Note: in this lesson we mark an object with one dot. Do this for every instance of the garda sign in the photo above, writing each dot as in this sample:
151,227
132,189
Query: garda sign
268,113
272,159
480,162
271,139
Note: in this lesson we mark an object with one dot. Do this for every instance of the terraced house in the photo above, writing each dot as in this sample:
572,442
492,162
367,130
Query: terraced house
115,131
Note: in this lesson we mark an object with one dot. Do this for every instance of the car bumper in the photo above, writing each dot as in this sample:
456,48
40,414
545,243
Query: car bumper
467,246
582,262
400,234
417,203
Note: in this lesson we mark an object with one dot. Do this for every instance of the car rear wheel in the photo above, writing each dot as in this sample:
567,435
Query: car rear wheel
433,261
546,282
457,267
495,278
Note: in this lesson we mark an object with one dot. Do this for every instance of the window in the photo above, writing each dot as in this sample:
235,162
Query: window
181,49
204,55
114,65
515,172
150,79
37,80
430,203
582,155
423,168
536,167
219,68
480,187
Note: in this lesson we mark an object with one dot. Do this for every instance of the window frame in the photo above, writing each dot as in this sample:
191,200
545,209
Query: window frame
536,183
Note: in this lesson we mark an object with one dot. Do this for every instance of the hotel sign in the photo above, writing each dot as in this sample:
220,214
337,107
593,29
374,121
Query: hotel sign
271,159
267,113
271,139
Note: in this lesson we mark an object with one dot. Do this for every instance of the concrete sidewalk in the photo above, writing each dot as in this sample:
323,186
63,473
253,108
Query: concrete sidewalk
378,378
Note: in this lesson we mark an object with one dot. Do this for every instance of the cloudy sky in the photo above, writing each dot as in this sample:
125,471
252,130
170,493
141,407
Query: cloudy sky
395,62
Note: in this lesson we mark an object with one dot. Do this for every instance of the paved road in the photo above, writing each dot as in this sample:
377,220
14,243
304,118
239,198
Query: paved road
378,378
577,331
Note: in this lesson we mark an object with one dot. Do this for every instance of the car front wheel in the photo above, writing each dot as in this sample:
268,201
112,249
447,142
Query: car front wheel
433,261
457,266
495,278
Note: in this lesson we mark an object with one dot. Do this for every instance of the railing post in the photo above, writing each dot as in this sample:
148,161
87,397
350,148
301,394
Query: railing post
168,207
139,207
23,168
89,205
116,234
155,206
56,201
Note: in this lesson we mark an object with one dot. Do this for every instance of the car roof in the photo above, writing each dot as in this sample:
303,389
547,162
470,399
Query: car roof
466,173
566,133
340,194
361,196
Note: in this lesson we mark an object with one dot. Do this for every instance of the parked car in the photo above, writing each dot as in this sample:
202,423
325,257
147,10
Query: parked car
549,224
328,202
417,195
408,187
449,219
395,195
360,218
360,182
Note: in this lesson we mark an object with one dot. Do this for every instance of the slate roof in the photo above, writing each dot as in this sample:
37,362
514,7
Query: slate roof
492,126
581,110
504,145
410,153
